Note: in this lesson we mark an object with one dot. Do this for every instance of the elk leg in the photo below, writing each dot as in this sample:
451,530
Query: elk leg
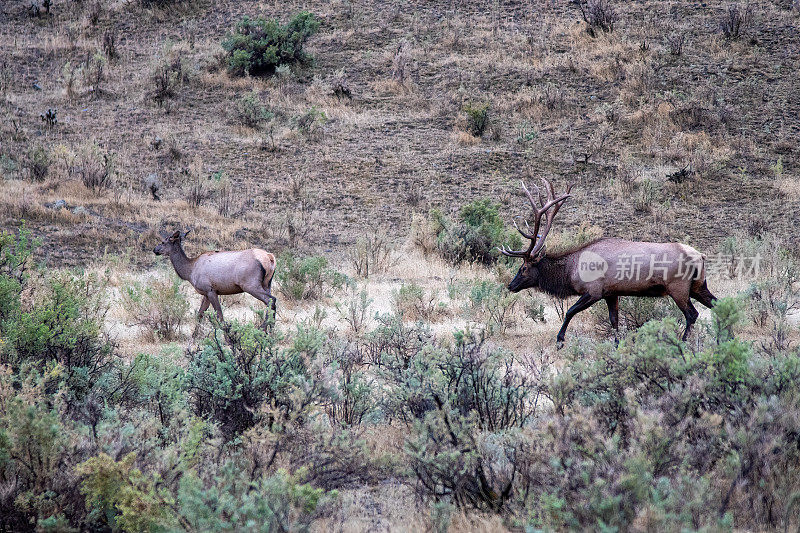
584,302
269,300
274,304
203,308
214,299
689,312
613,313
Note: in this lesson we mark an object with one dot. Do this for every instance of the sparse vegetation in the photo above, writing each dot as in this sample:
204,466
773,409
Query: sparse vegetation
37,163
413,302
94,166
733,23
401,64
282,413
307,278
310,123
491,304
600,15
170,74
158,308
251,112
424,396
371,254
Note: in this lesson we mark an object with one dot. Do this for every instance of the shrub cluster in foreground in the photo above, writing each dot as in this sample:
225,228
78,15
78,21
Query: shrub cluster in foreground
266,429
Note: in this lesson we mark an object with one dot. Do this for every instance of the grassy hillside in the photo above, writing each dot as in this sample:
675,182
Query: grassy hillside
619,113
403,386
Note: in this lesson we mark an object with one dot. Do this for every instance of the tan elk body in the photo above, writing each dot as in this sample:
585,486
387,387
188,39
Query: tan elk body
606,269
221,273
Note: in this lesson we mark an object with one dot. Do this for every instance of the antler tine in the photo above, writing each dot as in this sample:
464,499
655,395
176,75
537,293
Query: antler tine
550,215
528,227
528,194
526,235
548,185
542,199
512,253
549,209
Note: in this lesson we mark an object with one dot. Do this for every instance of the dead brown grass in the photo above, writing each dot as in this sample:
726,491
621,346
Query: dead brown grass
612,112
410,77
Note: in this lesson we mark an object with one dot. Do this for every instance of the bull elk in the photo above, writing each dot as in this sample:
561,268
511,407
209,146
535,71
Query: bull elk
606,268
219,273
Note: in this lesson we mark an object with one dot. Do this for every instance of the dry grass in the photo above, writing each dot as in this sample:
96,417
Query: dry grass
410,76
618,113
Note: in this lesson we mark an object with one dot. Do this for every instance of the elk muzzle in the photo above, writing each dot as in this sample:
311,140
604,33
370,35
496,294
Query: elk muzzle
526,277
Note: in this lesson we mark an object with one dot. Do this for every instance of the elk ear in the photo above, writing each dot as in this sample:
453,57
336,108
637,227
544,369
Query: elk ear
185,233
175,236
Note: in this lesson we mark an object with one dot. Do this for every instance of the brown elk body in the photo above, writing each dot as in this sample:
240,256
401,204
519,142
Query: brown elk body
606,269
220,273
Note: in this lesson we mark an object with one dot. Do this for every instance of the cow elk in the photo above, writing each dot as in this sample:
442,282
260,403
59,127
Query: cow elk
219,273
606,268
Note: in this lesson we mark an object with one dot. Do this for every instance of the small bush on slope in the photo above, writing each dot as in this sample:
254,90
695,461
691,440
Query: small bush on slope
258,46
476,235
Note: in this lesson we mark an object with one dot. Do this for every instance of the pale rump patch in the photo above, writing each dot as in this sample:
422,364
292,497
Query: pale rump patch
695,258
267,260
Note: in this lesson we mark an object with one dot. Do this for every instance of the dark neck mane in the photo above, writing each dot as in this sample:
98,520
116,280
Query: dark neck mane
555,270
554,277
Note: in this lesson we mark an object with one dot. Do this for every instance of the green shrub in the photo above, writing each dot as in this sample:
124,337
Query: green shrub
257,46
413,302
310,122
280,502
492,304
355,311
353,398
476,235
394,344
477,118
61,331
15,263
33,447
307,278
8,166
241,377
159,308
251,112
122,497
158,384
460,401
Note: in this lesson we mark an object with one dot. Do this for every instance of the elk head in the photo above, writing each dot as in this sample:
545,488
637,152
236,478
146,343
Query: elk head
528,274
169,243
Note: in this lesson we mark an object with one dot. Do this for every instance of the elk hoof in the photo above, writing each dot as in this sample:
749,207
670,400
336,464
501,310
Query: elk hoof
559,343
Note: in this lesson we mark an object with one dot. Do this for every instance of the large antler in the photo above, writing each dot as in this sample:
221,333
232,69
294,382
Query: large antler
549,209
